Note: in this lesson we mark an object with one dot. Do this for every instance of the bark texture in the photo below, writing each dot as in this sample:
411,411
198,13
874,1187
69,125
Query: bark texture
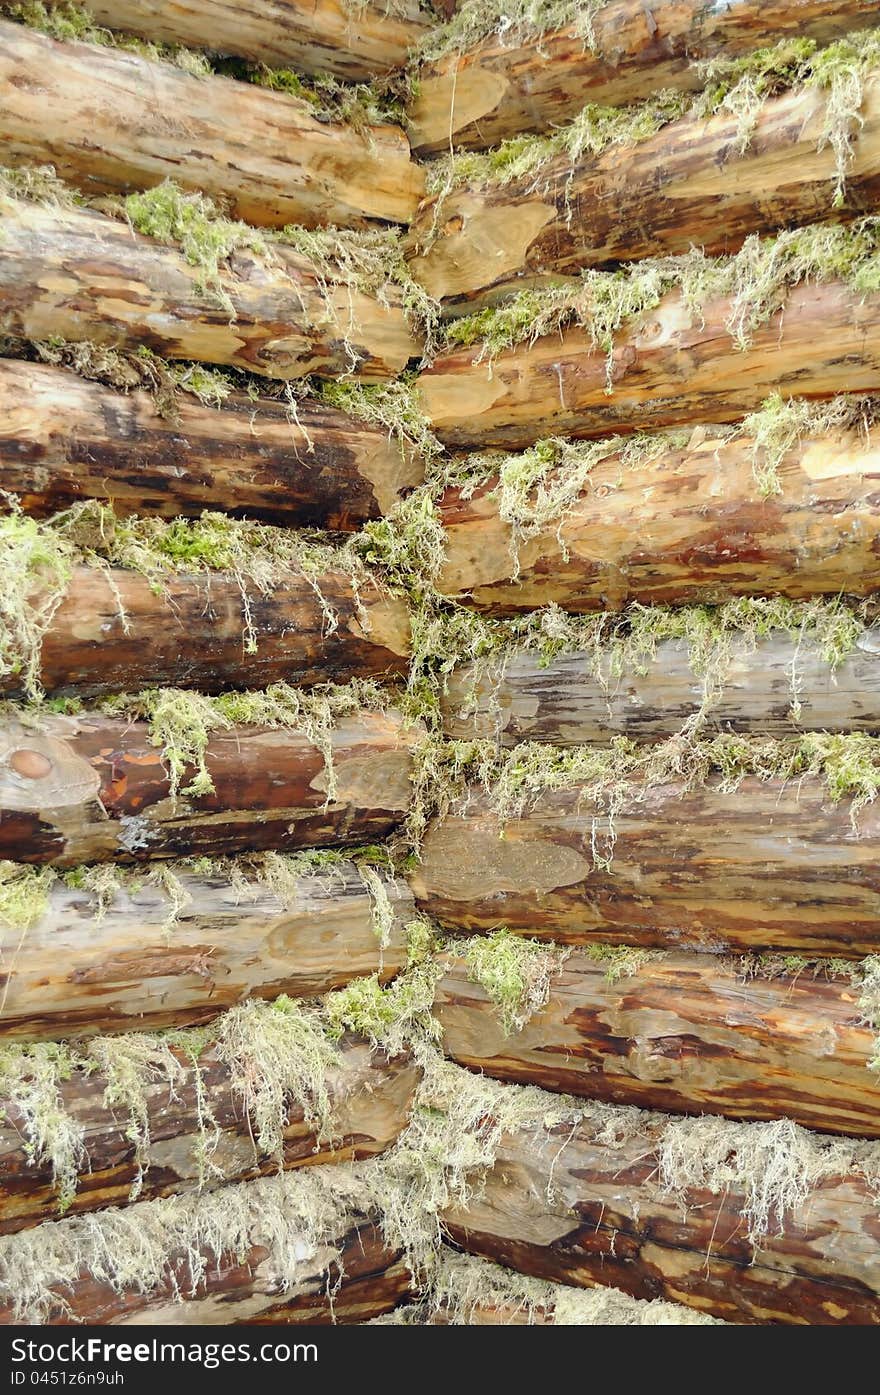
687,1033
121,969
573,1208
566,703
63,439
370,1096
501,88
94,789
691,185
192,633
313,36
668,367
79,275
101,117
690,526
767,866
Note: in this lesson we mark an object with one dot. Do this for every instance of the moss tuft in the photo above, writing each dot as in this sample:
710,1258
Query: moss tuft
67,21
515,972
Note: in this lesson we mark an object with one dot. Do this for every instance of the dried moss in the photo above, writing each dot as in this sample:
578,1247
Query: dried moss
515,972
30,1089
508,23
37,566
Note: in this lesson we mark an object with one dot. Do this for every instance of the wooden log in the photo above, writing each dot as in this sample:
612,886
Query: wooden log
141,963
78,275
93,789
686,1033
671,365
689,185
192,633
63,439
370,1096
570,1205
769,866
567,703
312,36
503,88
690,526
100,116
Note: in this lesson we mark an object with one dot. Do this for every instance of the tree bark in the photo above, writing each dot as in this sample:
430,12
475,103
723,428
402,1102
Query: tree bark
689,526
689,185
79,275
370,1097
501,89
192,633
767,866
94,789
687,1033
774,687
123,969
670,366
101,117
312,36
63,439
572,1207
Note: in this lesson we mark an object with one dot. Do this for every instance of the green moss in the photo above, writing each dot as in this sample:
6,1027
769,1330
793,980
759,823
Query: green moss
621,961
37,565
396,1017
62,19
515,972
394,406
510,23
31,1078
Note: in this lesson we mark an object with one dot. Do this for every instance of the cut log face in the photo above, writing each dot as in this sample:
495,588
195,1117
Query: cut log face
113,631
312,36
370,1097
670,366
682,1032
770,865
566,703
501,89
82,276
263,153
93,789
690,526
63,439
690,185
569,1206
126,969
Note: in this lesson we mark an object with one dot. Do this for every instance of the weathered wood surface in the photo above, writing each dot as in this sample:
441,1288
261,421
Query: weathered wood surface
687,1033
689,185
566,703
93,789
101,117
354,1279
63,439
668,367
370,1096
690,526
192,633
573,1208
769,866
79,275
125,969
313,36
503,88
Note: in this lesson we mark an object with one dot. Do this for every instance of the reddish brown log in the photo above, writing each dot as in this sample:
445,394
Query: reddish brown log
767,866
92,789
63,440
192,633
101,117
688,1033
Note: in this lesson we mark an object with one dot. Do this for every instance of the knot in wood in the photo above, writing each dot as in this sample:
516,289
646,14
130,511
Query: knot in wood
30,764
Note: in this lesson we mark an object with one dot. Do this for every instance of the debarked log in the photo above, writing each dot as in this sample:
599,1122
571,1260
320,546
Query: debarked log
670,366
687,1033
137,960
506,85
690,185
199,1132
115,631
63,439
767,865
110,120
576,1206
93,789
82,276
